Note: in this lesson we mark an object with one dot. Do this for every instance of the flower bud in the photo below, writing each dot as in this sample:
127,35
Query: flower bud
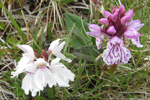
104,21
127,17
107,13
111,30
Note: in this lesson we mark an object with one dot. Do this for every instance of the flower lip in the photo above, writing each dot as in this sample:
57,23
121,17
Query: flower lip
116,52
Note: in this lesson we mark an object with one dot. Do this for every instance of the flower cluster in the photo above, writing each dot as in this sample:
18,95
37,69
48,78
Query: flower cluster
116,25
41,70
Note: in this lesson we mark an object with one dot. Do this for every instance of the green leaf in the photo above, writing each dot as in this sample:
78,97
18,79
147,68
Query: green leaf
80,28
78,42
88,53
41,38
49,34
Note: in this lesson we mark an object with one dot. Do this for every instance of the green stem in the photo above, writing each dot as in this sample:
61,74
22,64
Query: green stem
112,69
51,93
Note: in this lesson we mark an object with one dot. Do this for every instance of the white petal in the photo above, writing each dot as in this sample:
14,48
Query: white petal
38,79
33,93
28,84
61,80
26,48
31,67
43,77
24,65
61,56
54,45
25,84
29,56
23,61
20,67
60,46
56,48
61,74
55,64
49,78
67,73
55,61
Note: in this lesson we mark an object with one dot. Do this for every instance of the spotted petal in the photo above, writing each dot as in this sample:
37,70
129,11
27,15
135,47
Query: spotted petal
99,41
116,52
137,42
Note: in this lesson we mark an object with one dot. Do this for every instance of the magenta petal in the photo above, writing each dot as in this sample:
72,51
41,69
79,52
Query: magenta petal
127,17
94,34
137,42
111,30
121,10
107,13
104,21
136,24
94,28
131,33
130,13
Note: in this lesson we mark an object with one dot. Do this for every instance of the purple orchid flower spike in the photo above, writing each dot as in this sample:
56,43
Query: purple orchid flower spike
116,26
